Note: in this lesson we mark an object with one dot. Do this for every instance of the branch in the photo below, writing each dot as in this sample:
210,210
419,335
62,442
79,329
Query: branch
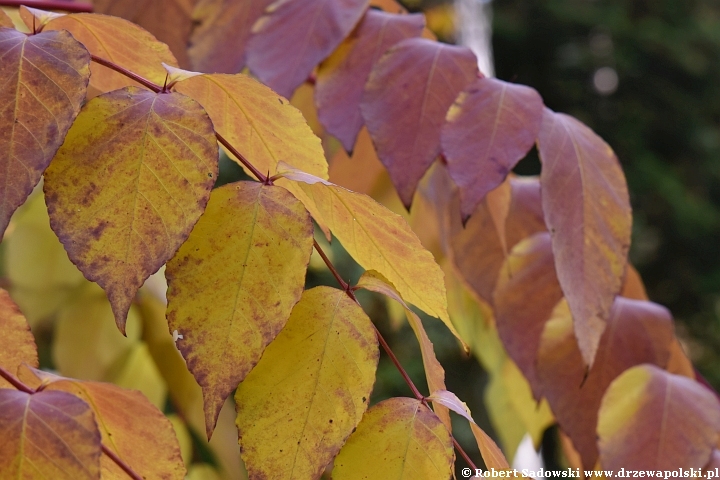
65,5
124,71
17,383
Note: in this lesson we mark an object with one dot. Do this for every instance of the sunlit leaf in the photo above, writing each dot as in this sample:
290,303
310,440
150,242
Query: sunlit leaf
434,372
169,20
526,293
295,35
309,390
44,80
587,210
48,435
219,38
651,419
341,78
5,21
638,332
121,42
398,439
492,455
379,240
130,426
406,98
490,127
17,344
233,284
128,184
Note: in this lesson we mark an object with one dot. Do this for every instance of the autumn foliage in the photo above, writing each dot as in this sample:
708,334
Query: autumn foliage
529,273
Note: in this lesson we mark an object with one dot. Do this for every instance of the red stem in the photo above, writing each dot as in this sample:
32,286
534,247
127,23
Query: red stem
263,178
65,5
17,383
134,76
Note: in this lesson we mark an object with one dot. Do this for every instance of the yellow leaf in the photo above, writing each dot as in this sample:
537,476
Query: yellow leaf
434,372
17,344
378,240
44,81
128,184
121,42
139,372
309,390
398,439
48,435
233,284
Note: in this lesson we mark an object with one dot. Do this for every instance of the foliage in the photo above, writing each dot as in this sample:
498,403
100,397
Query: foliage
534,278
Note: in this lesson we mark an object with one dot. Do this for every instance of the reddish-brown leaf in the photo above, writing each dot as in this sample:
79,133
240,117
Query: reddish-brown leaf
44,80
221,33
47,435
341,78
295,35
587,210
653,420
17,344
169,20
638,332
5,21
405,102
525,295
491,126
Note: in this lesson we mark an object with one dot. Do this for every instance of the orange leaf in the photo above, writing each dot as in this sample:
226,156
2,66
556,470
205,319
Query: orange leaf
638,332
490,128
45,78
128,184
341,78
48,435
587,210
652,419
526,293
5,21
234,282
294,36
17,344
219,39
405,102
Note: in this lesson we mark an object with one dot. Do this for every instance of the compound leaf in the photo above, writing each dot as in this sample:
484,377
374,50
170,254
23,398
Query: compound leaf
587,210
341,78
490,127
406,98
295,35
44,81
128,185
234,282
398,439
48,434
309,390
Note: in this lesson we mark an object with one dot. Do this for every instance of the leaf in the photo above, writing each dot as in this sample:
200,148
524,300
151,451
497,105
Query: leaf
128,185
378,240
651,419
18,344
492,455
498,203
341,78
234,282
129,436
263,126
48,434
399,438
295,35
587,210
5,21
222,29
638,332
45,77
491,126
309,390
120,41
168,20
36,19
409,91
434,372
526,293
